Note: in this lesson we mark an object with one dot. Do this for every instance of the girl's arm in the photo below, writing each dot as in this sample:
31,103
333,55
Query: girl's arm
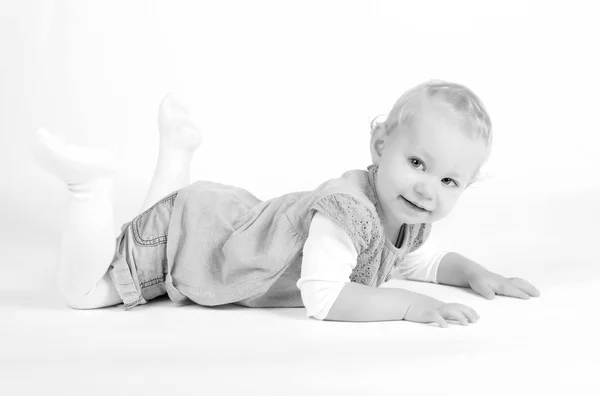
329,256
360,303
327,293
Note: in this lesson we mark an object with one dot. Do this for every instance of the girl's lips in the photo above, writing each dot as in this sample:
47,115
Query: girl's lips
414,206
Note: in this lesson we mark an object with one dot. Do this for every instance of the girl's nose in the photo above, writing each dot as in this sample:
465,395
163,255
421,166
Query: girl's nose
425,190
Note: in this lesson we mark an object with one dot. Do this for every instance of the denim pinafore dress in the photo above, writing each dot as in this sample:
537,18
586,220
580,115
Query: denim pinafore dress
220,244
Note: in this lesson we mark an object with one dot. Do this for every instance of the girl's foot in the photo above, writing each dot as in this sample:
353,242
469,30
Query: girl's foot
179,138
72,164
176,127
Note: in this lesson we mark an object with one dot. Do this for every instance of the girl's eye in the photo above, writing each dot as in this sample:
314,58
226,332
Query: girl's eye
447,181
415,162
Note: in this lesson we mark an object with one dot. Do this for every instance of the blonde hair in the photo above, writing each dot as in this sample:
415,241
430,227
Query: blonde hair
460,100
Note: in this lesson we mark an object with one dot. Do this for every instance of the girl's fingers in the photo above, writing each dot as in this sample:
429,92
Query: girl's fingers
470,314
436,317
460,317
525,286
484,289
456,313
461,313
440,320
507,289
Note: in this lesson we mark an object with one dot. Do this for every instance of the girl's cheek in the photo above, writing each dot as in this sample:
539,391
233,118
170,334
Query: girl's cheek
400,176
450,201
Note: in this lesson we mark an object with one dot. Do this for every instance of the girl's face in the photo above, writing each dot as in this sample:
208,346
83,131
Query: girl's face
424,167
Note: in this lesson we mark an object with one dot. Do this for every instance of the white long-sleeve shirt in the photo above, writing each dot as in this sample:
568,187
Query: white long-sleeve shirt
329,256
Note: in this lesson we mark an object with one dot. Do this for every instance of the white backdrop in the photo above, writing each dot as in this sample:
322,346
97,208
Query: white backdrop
285,91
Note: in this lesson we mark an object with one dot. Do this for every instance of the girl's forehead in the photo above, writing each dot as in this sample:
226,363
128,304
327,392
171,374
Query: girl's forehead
445,144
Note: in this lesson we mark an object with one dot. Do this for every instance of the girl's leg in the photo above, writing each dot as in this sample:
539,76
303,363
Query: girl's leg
88,241
179,138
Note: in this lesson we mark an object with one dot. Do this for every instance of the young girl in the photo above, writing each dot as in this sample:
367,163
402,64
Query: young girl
327,250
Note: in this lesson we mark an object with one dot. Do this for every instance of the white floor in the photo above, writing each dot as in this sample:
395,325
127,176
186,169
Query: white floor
546,345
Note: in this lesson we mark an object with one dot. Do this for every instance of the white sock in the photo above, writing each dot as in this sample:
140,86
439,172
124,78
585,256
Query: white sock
72,164
88,238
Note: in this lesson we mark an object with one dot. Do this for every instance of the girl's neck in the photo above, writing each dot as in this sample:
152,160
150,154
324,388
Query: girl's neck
393,231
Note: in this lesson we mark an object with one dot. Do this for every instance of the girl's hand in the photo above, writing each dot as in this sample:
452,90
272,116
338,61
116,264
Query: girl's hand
428,310
488,284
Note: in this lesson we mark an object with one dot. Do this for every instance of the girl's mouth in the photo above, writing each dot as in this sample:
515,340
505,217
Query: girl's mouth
414,206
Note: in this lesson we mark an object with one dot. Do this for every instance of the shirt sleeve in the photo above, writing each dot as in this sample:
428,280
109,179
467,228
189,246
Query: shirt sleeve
421,264
329,256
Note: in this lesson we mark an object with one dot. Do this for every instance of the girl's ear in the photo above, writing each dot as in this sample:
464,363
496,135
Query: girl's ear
377,144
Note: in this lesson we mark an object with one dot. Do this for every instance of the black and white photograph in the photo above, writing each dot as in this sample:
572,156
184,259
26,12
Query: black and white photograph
299,197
